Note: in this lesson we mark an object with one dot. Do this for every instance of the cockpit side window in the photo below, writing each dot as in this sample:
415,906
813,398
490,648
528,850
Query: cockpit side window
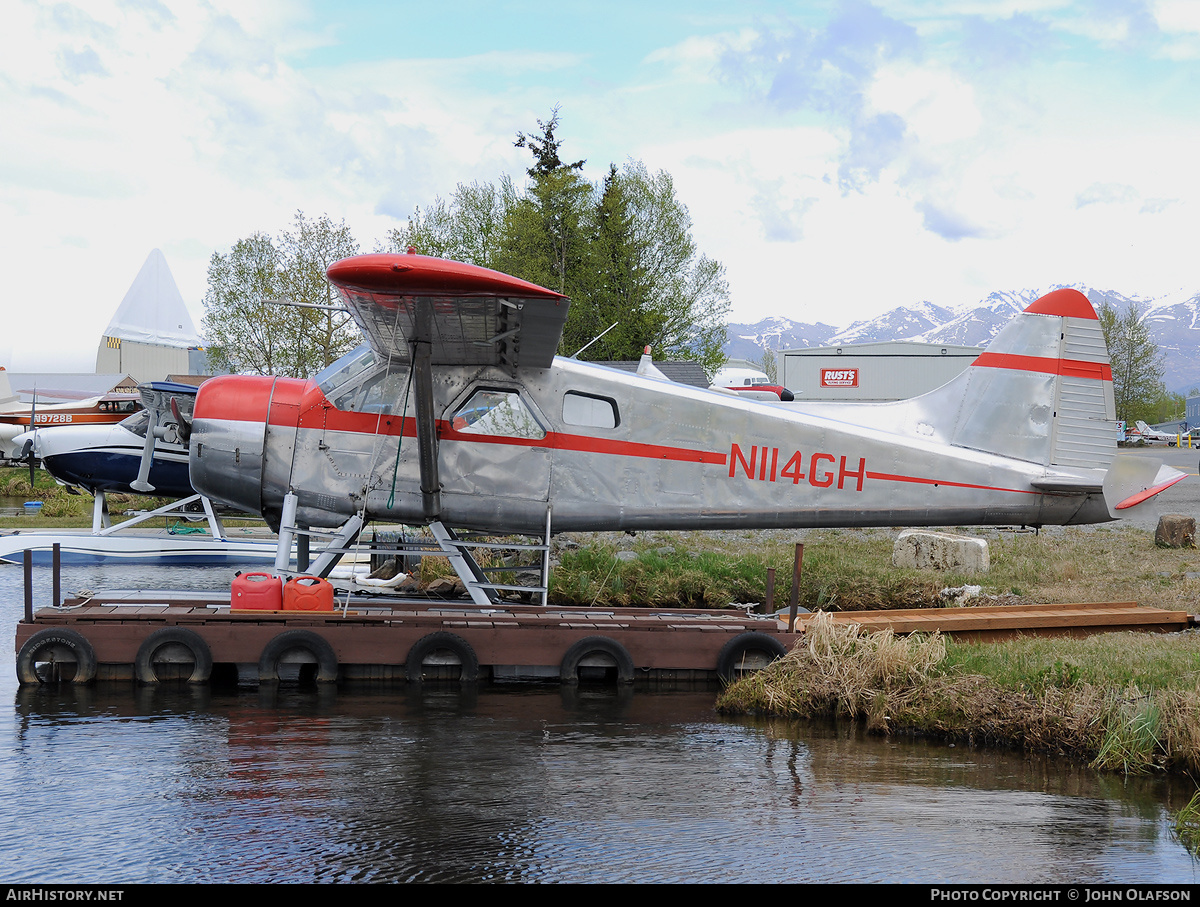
500,413
589,411
377,392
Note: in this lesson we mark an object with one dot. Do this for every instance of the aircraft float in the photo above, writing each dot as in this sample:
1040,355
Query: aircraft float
457,414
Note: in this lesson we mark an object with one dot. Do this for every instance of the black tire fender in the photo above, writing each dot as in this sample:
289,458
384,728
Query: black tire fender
38,644
568,671
734,652
202,663
313,643
423,647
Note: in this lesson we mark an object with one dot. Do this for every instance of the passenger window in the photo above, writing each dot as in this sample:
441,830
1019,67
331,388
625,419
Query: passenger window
586,410
500,413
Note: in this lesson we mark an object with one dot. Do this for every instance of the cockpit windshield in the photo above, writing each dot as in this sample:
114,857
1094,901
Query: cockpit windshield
346,369
137,423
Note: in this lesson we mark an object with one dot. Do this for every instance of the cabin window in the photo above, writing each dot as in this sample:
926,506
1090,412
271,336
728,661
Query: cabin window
496,412
589,411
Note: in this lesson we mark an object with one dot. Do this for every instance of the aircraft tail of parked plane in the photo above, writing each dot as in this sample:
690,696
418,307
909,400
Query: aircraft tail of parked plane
457,412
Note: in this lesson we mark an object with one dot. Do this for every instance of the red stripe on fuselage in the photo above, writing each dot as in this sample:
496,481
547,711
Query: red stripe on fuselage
317,412
1073,368
916,480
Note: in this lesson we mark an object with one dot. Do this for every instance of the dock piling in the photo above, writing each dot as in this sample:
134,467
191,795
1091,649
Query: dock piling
28,563
797,565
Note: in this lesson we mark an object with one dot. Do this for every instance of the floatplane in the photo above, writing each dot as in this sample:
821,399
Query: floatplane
67,408
457,415
145,454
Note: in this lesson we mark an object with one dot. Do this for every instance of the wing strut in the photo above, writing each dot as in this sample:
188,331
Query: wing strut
427,453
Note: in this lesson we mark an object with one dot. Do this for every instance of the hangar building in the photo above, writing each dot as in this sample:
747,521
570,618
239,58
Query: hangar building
152,334
895,370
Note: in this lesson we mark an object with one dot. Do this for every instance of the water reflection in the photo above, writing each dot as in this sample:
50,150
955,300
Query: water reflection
530,783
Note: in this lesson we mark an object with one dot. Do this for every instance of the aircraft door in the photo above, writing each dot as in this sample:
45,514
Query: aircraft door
279,443
494,458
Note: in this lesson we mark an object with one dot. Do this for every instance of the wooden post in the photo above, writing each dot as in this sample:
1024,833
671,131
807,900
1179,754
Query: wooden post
795,601
770,590
28,586
56,558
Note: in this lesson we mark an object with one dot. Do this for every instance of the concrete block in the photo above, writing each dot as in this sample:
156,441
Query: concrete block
926,550
1175,531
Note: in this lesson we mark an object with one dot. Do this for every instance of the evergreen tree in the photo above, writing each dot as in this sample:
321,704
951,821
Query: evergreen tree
1137,363
622,250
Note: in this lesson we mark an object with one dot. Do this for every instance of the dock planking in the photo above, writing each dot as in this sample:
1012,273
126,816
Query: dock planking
1006,621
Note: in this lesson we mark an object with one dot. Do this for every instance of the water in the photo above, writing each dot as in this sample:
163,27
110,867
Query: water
115,784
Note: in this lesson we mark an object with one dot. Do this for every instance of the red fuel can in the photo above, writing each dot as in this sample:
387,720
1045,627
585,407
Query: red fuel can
307,593
257,592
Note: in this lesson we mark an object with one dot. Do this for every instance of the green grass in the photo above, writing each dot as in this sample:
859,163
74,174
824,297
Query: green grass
63,510
841,571
848,570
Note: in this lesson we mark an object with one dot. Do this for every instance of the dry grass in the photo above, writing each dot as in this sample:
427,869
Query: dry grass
1122,702
1093,564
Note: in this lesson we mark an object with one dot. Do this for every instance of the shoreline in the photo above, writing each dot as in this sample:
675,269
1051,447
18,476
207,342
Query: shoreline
1118,702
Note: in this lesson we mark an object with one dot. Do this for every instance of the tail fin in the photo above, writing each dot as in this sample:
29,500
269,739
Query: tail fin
1042,391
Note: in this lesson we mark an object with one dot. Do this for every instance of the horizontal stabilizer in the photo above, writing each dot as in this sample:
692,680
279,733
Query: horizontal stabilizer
1067,484
1133,480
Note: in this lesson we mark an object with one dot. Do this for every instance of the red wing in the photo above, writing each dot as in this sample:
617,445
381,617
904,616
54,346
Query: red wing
469,315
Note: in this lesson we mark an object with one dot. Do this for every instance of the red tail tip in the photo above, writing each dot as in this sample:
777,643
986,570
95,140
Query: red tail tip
1068,302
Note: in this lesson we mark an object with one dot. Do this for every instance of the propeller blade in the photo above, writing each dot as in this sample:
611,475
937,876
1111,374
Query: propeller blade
27,456
141,483
185,427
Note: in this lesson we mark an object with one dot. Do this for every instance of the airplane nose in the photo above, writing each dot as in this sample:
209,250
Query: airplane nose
228,430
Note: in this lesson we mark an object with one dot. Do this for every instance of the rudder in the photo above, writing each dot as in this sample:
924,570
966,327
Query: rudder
1042,390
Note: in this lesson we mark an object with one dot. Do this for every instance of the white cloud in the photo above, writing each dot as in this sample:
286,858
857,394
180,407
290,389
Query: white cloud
844,169
1177,15
937,106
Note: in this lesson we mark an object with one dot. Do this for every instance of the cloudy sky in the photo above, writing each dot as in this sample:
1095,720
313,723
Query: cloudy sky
839,158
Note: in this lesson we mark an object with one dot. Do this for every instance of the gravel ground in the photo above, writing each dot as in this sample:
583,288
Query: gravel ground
1183,497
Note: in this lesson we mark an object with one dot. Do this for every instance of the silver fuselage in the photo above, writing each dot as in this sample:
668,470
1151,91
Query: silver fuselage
674,457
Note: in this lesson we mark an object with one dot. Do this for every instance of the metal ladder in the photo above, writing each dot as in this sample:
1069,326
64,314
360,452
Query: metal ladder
446,542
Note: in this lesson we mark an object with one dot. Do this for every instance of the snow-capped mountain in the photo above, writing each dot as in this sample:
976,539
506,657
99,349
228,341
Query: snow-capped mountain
746,341
899,323
1173,320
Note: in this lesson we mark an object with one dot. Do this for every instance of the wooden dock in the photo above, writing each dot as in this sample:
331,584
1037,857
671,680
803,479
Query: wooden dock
153,636
157,635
